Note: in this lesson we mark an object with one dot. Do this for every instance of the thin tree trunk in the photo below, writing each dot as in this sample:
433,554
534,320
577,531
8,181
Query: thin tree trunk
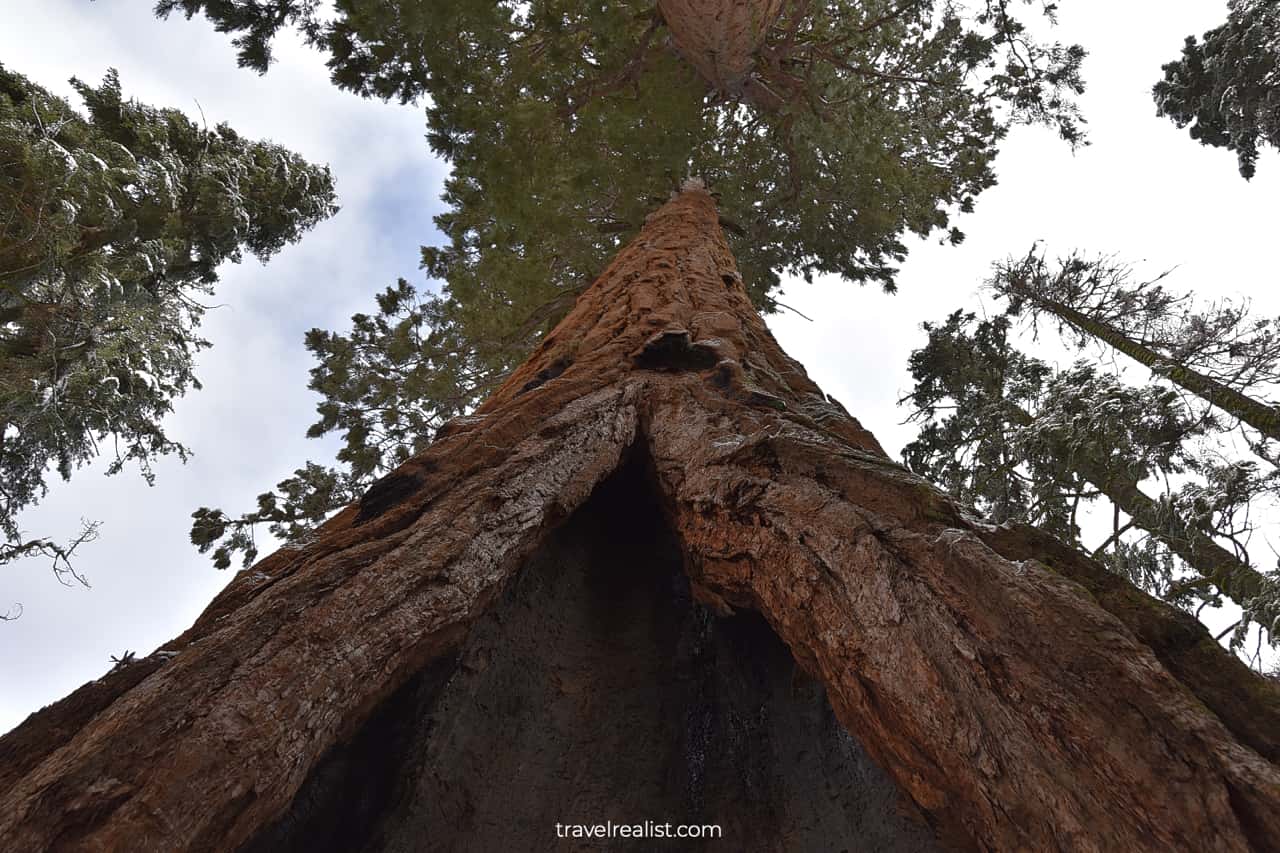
1260,416
1197,549
1022,696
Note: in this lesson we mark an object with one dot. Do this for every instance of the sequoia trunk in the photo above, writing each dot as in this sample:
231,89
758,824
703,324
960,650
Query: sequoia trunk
1020,696
721,39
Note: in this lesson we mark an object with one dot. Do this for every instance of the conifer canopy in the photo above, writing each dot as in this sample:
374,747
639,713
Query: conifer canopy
113,223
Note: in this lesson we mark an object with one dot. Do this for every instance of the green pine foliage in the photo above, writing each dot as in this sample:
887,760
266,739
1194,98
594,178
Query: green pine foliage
564,120
1004,431
290,513
387,385
1227,87
1219,352
113,223
1020,440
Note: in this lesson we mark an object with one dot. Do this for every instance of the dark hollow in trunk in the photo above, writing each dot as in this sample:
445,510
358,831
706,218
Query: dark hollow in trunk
597,689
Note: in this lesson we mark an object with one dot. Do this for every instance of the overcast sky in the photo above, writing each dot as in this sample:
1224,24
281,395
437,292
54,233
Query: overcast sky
1143,189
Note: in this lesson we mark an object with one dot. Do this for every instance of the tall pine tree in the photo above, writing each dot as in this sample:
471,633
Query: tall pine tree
1022,441
1218,353
113,223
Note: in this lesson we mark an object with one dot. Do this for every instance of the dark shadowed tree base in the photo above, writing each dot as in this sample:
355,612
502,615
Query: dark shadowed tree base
595,690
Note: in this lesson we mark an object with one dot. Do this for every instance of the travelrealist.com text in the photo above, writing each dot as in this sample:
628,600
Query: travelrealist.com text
645,829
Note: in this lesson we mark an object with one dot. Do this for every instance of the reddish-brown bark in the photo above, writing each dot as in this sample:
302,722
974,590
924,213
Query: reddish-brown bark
1020,696
720,39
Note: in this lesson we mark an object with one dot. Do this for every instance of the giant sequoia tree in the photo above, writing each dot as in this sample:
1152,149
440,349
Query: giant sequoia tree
827,131
1018,694
113,223
657,570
